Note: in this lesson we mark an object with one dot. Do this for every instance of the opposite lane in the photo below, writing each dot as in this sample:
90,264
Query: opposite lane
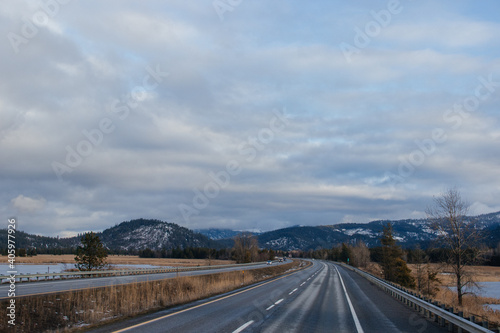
311,300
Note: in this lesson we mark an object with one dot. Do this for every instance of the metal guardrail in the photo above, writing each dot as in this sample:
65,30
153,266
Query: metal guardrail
440,315
93,274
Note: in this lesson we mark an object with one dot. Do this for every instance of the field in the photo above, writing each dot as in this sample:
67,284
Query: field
481,273
119,260
472,305
79,309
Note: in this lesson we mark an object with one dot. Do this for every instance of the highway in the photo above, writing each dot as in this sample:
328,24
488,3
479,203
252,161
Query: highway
51,286
322,298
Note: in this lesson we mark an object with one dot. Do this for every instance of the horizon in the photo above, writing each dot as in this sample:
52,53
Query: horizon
254,231
258,115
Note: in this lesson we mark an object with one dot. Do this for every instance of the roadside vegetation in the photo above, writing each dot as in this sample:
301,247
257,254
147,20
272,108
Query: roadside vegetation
91,254
123,260
446,272
90,307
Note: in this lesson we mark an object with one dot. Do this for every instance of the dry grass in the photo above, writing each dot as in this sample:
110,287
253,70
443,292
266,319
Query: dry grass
119,260
472,305
374,269
481,273
84,308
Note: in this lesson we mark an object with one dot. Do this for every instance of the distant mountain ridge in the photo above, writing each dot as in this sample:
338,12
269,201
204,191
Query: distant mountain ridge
127,236
217,234
154,234
408,232
139,234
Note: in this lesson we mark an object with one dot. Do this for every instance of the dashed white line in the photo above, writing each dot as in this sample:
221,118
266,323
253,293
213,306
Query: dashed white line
303,283
278,301
269,308
242,327
292,291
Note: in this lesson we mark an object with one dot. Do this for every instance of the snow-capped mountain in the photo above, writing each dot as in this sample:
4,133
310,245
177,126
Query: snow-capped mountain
125,237
154,234
135,235
216,234
407,232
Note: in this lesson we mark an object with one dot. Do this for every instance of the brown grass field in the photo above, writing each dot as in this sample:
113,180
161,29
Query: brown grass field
84,309
472,305
119,260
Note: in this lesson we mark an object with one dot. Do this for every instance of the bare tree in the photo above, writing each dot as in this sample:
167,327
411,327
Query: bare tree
459,234
425,276
360,255
419,262
246,248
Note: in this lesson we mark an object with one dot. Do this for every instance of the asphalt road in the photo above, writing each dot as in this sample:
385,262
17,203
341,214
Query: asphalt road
322,298
43,287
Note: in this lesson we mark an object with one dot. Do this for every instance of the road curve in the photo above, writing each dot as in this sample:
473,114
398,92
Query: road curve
52,286
322,298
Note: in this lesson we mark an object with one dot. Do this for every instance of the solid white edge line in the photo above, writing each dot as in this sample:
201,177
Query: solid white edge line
242,327
353,313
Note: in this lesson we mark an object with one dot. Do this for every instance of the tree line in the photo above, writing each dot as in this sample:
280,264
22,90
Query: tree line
459,237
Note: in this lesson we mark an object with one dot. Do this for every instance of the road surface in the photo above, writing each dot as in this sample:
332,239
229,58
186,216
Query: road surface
322,298
44,287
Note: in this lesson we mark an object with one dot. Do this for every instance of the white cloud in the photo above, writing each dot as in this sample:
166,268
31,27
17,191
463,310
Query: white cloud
28,205
349,123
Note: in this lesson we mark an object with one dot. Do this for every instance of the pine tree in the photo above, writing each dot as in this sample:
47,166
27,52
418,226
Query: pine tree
91,255
394,267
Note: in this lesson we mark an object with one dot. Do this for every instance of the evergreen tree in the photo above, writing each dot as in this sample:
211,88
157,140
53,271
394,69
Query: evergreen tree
394,267
345,253
91,254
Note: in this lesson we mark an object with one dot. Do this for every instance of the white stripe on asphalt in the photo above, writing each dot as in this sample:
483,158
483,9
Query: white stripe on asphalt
278,301
242,327
269,308
303,283
354,316
292,291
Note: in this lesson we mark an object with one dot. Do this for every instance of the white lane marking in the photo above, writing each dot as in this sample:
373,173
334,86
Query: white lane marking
292,291
269,308
303,283
353,313
278,301
242,327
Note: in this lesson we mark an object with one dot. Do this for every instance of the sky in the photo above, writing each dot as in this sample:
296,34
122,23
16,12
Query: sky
247,115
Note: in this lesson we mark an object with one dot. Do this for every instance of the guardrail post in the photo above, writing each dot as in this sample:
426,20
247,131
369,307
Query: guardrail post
441,321
461,315
450,324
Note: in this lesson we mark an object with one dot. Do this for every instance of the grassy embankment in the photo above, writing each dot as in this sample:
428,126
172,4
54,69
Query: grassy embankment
89,307
119,260
472,304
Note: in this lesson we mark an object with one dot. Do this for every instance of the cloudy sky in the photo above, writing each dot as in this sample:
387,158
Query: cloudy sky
245,114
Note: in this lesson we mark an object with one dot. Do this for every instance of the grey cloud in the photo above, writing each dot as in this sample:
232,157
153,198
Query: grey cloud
349,124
